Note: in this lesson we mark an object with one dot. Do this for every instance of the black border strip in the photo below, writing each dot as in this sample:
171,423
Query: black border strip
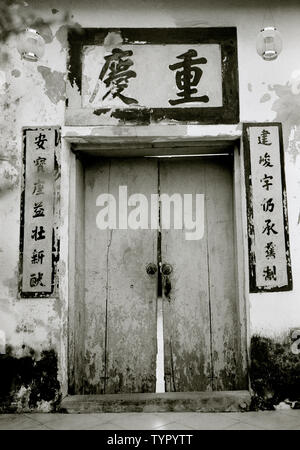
248,182
225,36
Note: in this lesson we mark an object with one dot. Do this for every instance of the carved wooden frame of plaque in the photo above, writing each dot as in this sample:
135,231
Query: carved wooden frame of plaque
228,113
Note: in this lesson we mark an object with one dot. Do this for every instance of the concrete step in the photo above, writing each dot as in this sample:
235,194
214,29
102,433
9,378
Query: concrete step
217,401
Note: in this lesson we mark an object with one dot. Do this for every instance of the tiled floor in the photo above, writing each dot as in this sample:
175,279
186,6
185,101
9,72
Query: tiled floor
264,420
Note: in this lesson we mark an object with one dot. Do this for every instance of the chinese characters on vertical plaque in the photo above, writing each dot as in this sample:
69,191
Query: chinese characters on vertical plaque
269,257
38,241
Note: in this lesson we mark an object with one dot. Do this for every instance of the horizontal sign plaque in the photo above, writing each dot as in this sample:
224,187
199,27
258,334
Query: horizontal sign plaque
146,75
269,256
126,76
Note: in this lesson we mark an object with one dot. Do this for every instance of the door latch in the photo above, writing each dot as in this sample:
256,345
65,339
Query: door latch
166,270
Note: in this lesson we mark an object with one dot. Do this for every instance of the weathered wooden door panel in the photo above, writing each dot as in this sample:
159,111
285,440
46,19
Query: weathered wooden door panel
187,337
201,320
94,313
201,323
120,300
225,321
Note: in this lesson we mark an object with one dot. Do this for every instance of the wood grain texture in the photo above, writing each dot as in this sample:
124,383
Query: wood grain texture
241,255
225,324
76,276
115,316
186,313
201,320
120,296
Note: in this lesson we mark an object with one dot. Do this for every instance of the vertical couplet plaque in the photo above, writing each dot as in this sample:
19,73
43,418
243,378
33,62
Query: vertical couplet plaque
268,240
39,244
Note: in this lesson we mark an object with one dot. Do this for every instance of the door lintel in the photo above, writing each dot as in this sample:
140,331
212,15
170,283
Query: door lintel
158,139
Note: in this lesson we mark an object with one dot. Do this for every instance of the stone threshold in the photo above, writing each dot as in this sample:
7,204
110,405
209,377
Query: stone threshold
216,401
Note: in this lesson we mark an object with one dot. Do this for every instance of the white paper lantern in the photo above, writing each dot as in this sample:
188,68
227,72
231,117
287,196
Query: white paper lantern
269,43
31,45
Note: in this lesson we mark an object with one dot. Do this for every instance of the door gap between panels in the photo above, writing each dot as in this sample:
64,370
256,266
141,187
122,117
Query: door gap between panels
160,373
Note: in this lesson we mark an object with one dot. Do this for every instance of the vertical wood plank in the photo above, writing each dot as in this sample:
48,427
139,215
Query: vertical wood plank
241,237
71,280
76,275
225,324
96,183
131,365
120,296
186,312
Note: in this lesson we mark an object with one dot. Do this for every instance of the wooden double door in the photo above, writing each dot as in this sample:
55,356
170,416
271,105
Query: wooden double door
123,278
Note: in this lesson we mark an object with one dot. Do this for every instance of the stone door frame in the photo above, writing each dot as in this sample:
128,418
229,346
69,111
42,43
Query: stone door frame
152,140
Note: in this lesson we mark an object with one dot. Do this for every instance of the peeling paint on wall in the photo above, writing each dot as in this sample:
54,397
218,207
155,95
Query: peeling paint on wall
274,371
62,34
43,29
54,82
113,39
29,382
16,73
12,284
24,327
294,142
265,98
9,175
9,154
287,107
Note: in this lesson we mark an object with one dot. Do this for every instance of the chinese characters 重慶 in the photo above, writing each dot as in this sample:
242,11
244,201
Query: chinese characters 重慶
117,64
187,77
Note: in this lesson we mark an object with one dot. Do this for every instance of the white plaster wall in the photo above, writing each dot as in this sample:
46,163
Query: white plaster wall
27,323
271,313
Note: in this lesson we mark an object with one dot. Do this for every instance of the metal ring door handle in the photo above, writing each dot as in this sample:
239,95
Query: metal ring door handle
166,269
151,269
